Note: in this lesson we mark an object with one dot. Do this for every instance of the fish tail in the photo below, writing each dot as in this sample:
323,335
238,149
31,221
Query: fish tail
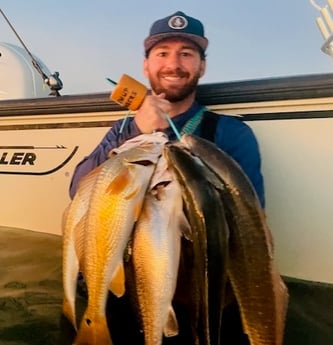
68,311
93,332
171,327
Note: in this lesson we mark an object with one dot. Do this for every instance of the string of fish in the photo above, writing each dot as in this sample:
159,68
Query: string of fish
190,126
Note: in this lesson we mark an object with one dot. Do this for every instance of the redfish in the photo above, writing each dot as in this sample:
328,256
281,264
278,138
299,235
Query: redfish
156,251
97,227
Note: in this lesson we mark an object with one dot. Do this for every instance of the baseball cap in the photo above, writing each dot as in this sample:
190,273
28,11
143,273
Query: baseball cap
177,25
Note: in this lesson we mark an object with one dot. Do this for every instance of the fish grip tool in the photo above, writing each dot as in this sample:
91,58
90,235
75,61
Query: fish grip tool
130,93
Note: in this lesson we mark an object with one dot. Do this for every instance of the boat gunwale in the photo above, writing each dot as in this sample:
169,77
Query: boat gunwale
230,92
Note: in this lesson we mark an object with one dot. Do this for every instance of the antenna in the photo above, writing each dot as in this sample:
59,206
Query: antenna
325,25
53,81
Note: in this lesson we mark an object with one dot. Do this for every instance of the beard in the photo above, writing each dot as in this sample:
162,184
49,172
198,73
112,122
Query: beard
175,94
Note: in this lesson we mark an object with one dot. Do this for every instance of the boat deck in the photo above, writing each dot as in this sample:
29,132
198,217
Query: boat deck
31,296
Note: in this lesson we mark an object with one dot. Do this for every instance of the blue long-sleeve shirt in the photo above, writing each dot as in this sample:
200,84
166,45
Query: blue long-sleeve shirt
232,135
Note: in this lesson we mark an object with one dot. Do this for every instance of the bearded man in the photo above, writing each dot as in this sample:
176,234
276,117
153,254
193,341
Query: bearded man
175,60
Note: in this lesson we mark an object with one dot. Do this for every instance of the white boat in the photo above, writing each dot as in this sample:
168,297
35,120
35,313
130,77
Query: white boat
18,77
42,138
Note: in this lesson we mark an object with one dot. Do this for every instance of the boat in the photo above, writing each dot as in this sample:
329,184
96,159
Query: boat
42,140
44,137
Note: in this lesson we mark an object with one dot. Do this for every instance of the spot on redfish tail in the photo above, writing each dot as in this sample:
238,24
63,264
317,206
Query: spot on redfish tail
93,331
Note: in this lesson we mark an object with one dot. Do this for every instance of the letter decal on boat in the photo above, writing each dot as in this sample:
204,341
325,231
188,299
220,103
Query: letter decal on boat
34,160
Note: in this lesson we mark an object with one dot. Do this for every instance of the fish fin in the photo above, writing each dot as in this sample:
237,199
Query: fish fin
93,331
64,219
185,228
117,284
120,182
70,267
171,328
79,239
137,210
67,310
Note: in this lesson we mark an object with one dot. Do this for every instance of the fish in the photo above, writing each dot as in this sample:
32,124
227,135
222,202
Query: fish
156,252
97,229
73,221
256,282
204,253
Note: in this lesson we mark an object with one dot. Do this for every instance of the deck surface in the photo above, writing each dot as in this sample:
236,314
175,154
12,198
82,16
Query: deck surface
31,296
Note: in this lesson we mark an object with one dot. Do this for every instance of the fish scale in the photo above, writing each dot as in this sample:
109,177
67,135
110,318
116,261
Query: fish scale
73,244
253,282
118,187
156,250
260,291
105,248
204,254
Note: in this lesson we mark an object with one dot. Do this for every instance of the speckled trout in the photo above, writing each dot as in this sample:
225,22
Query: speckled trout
202,273
260,292
97,226
156,250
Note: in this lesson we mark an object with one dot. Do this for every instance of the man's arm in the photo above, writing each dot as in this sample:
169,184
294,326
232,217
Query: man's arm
238,140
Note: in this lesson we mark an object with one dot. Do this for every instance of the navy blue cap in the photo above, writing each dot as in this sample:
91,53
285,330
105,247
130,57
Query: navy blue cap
177,25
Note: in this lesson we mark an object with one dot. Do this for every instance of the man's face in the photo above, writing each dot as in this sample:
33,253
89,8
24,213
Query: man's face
174,67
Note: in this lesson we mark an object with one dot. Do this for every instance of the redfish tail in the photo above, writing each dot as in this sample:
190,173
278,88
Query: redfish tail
69,313
93,331
171,327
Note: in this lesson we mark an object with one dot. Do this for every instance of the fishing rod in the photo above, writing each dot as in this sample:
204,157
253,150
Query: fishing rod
52,81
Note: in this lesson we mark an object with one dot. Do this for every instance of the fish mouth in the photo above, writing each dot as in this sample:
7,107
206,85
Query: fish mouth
144,162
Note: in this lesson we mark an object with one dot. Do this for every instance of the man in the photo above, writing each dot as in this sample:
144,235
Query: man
174,62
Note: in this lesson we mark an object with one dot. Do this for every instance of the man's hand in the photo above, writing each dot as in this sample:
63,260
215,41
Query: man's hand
151,115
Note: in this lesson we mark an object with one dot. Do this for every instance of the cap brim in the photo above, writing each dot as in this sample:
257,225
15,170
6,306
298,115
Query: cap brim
150,41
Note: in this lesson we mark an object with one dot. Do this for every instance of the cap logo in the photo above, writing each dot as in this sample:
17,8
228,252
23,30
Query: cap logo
177,22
